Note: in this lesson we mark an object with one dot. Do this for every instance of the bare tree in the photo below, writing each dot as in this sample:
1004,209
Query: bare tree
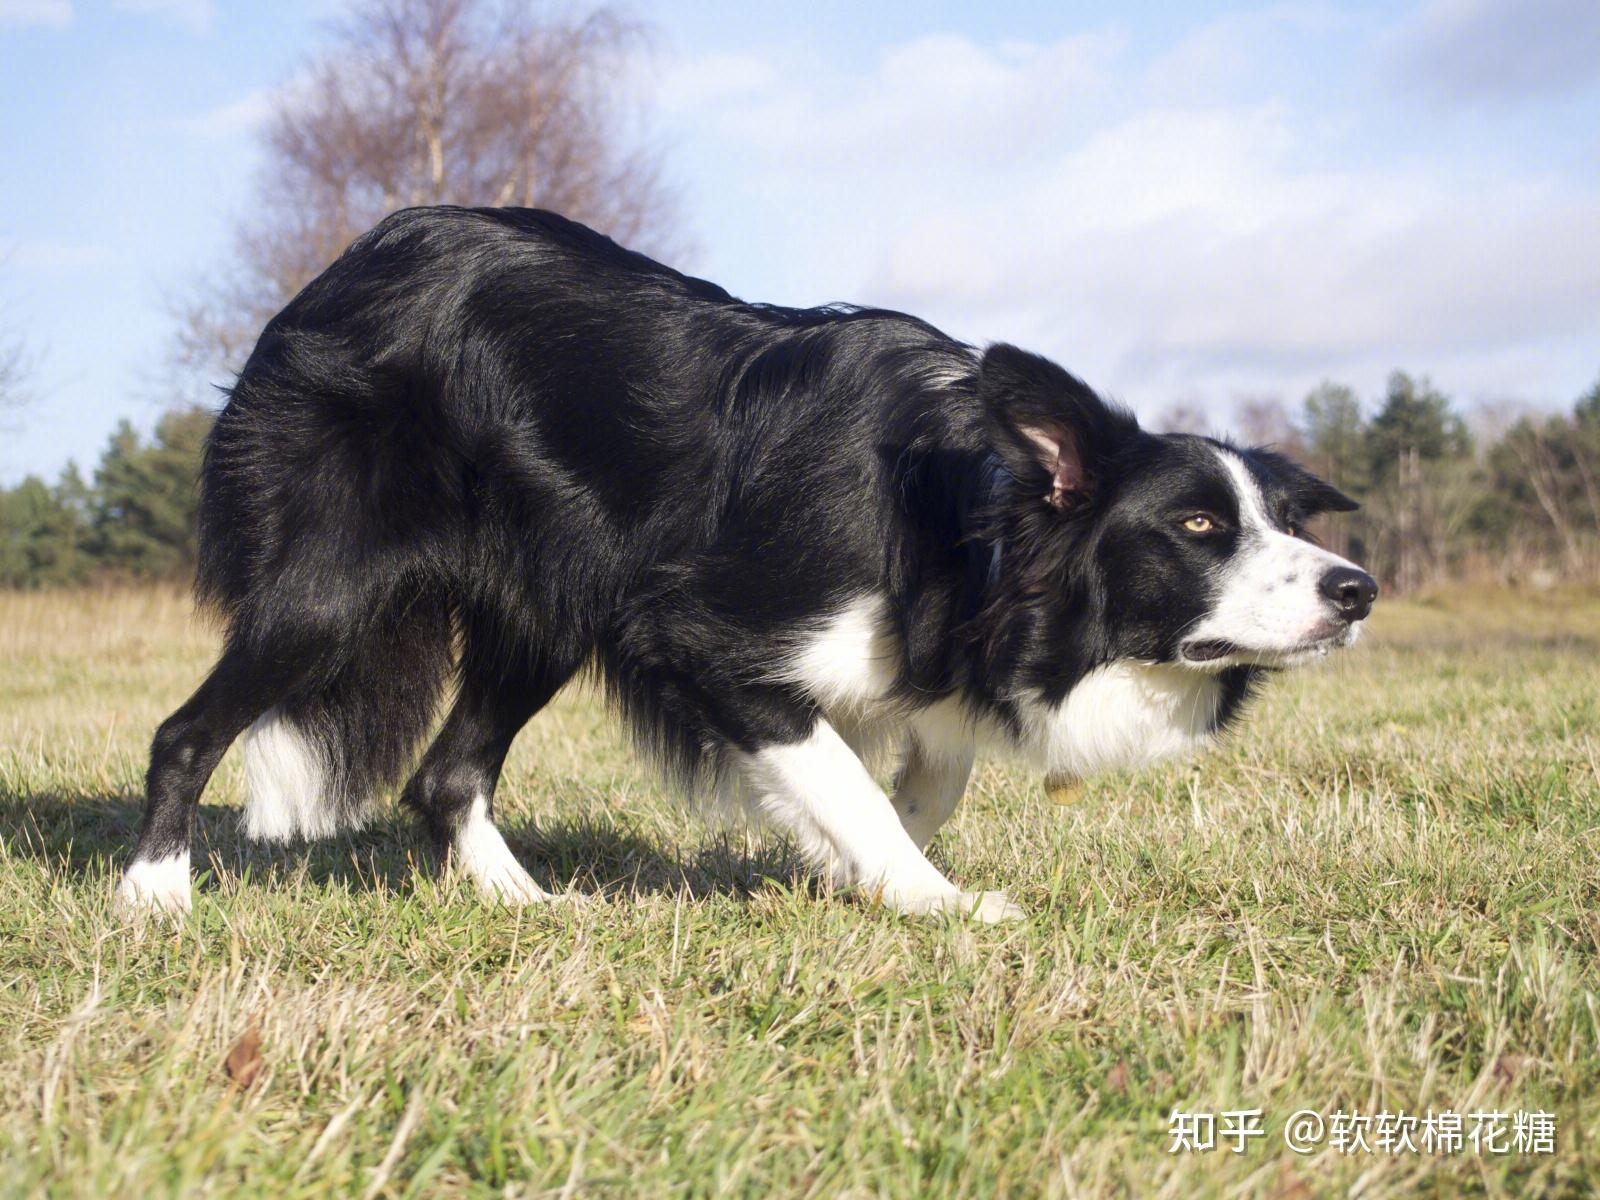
1551,466
12,370
1333,434
15,366
492,102
1183,416
1263,420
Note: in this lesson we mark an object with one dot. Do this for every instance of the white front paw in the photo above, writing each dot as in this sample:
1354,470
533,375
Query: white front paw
481,854
987,907
155,885
505,882
991,907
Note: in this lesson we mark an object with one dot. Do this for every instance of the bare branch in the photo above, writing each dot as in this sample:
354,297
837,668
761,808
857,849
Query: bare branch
435,102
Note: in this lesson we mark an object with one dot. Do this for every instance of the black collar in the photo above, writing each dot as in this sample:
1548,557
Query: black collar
987,551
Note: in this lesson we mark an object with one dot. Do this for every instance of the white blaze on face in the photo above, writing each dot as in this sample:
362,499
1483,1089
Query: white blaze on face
1269,601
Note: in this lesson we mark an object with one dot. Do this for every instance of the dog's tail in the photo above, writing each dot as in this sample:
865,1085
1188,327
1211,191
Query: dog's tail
330,509
318,761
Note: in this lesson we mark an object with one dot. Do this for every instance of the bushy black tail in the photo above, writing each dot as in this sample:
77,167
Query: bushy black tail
330,515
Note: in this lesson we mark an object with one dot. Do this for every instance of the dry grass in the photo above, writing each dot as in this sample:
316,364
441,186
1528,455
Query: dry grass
1383,894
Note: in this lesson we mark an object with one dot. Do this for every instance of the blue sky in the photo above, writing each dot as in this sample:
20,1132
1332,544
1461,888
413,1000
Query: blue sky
1183,203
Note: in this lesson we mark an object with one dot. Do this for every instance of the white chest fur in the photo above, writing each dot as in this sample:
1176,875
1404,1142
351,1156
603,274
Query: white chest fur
1122,715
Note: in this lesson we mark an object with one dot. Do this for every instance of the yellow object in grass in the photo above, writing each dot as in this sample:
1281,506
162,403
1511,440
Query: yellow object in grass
1063,789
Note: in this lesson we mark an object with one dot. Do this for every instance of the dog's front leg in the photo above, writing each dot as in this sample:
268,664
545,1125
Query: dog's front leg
817,791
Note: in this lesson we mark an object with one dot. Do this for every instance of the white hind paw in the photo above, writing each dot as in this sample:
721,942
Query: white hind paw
481,854
155,885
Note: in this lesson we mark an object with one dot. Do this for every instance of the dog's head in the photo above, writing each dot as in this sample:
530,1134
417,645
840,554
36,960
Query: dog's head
1155,548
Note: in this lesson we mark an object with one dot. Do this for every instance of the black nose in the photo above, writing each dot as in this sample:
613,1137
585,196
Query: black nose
1351,591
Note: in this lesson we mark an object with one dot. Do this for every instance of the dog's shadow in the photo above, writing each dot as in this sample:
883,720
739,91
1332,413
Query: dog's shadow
94,834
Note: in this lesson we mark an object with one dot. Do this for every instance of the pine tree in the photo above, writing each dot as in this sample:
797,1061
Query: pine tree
1415,422
1334,433
146,497
41,535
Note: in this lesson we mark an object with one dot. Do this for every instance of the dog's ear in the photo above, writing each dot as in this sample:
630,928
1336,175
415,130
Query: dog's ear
1312,496
1320,497
1049,426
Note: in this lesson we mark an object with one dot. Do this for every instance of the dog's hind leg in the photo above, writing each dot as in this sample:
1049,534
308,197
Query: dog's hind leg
928,787
453,787
185,751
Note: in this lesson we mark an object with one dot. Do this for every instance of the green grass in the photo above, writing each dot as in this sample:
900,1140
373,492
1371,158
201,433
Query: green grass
1383,893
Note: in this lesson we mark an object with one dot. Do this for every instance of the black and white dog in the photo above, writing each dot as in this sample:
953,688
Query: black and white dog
494,445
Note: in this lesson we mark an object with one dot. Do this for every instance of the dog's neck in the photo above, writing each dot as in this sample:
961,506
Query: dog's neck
987,541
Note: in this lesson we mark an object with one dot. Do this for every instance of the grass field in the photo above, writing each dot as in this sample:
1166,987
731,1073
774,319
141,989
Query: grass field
1382,894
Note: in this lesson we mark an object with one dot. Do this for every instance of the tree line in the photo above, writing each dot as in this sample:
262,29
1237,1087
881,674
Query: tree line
133,519
1518,502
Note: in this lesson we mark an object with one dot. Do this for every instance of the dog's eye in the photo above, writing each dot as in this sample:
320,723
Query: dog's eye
1199,523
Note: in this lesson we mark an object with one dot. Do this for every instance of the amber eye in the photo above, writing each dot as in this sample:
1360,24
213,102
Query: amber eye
1199,523
1293,529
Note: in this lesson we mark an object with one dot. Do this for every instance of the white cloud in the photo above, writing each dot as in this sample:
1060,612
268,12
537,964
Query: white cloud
195,16
1192,235
19,14
932,92
1161,248
711,79
1240,51
237,117
1180,248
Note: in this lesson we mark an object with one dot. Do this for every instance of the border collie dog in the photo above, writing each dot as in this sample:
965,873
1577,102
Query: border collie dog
490,448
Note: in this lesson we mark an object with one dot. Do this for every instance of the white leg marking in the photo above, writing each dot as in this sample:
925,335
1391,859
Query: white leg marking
818,793
286,782
156,885
928,788
482,854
